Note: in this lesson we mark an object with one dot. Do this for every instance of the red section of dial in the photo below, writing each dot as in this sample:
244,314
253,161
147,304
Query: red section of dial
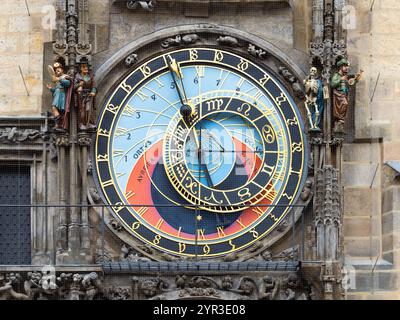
138,192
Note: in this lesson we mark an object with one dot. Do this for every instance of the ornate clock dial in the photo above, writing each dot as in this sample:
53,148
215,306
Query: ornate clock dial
211,183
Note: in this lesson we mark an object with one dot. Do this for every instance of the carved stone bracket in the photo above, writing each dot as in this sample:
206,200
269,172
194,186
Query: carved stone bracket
336,142
60,48
83,49
62,140
84,139
319,141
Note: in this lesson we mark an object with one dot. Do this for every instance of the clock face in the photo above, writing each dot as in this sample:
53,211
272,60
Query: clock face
210,182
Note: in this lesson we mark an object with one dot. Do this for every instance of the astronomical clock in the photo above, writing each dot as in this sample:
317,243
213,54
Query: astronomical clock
200,151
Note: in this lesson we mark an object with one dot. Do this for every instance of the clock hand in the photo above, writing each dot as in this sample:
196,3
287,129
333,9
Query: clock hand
200,157
176,73
186,110
219,145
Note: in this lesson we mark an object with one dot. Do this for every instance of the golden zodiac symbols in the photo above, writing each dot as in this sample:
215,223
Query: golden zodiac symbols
190,184
214,104
242,107
212,198
292,122
244,193
297,147
281,99
268,134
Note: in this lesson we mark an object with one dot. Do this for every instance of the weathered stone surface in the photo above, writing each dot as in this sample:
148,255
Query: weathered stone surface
21,46
391,199
361,202
394,295
391,222
391,242
361,152
357,227
360,174
362,246
375,281
391,150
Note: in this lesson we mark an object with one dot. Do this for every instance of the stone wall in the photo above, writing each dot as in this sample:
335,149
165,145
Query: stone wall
23,31
371,190
115,26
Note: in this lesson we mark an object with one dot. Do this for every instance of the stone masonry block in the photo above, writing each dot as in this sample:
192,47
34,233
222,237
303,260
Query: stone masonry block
390,222
361,202
362,152
360,174
375,281
357,227
362,247
391,199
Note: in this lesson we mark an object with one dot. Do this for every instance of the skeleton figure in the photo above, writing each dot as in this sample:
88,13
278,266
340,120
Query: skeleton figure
314,99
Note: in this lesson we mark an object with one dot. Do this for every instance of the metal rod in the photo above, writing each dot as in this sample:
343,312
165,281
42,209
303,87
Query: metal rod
197,208
142,205
63,221
293,227
302,235
376,85
373,178
27,7
23,79
372,5
85,242
102,234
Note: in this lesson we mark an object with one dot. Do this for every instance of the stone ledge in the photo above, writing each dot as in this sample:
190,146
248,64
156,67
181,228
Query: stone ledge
58,268
375,281
151,266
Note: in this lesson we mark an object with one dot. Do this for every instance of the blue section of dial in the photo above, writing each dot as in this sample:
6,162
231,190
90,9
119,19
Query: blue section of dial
182,217
217,153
